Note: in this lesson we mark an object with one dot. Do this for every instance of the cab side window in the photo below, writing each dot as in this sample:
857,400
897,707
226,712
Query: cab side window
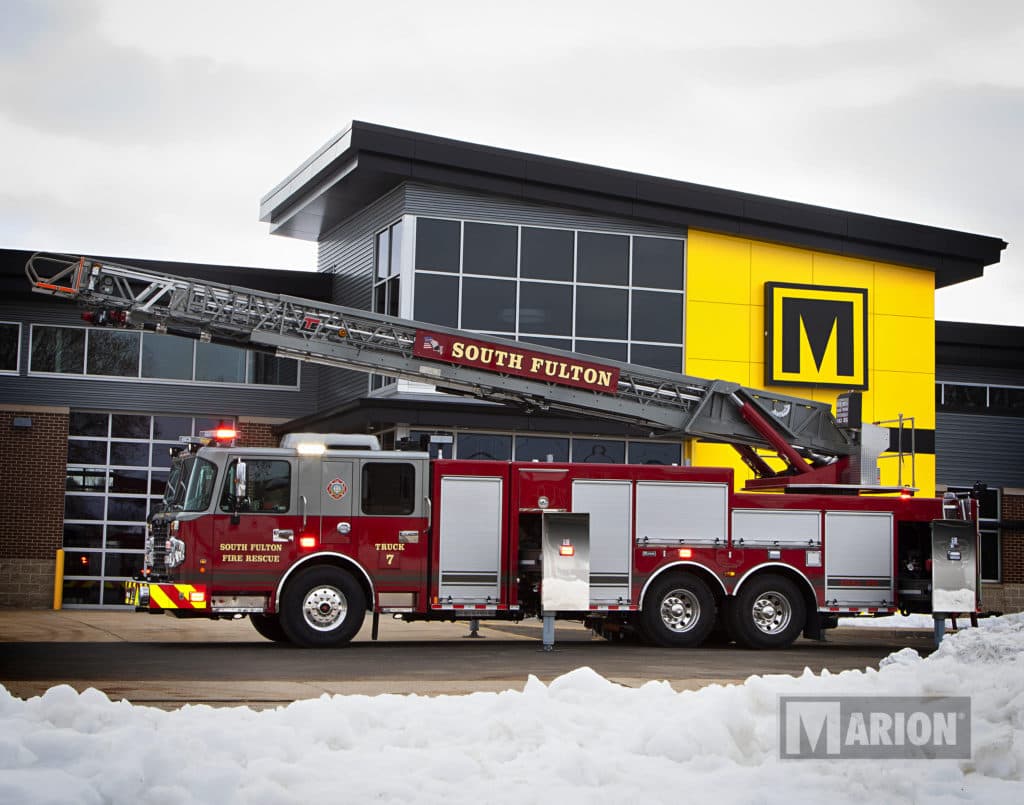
388,488
268,487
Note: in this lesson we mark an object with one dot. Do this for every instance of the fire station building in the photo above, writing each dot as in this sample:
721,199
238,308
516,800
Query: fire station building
809,301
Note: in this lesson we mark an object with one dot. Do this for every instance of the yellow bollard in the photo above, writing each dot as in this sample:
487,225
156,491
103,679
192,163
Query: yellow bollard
58,581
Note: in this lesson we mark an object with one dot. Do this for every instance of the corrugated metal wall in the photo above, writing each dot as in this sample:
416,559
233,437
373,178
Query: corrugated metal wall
348,250
973,448
978,374
173,397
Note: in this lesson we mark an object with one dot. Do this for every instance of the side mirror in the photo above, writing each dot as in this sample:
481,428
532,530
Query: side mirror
238,490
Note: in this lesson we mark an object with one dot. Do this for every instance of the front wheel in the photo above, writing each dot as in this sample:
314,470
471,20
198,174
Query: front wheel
678,611
322,607
768,612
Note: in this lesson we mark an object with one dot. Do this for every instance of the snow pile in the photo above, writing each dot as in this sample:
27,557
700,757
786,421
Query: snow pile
581,739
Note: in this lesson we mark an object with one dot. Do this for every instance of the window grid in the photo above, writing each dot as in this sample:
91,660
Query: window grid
985,399
520,332
579,447
140,371
102,585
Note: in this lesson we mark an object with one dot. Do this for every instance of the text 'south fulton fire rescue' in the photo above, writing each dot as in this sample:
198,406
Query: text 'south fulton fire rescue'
309,537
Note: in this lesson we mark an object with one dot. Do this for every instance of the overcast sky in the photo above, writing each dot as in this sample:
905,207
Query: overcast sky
152,130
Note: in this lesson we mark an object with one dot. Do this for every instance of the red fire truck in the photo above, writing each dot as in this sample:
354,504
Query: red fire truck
308,537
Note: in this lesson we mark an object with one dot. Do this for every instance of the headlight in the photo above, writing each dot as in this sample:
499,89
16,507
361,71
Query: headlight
175,552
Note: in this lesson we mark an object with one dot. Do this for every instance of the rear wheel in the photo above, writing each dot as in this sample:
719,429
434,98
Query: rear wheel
768,612
322,606
269,626
678,611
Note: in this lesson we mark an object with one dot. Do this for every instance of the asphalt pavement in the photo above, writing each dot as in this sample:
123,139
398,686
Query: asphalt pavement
167,662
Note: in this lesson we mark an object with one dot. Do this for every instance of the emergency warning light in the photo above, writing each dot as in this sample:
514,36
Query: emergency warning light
223,435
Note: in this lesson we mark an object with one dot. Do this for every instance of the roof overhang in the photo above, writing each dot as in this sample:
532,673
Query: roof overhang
366,160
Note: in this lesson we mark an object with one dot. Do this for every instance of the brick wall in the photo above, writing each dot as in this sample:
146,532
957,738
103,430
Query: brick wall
256,433
1013,540
32,461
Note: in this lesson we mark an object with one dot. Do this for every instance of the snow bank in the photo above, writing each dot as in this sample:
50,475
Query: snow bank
581,739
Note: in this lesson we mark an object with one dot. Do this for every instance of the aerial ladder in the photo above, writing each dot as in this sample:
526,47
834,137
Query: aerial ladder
814,449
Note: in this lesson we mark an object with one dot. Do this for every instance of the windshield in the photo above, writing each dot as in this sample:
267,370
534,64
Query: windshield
190,485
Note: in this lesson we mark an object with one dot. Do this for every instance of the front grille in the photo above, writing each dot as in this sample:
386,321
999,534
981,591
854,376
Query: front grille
156,547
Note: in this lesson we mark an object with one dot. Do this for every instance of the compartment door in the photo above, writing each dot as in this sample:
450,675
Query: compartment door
610,506
470,539
858,559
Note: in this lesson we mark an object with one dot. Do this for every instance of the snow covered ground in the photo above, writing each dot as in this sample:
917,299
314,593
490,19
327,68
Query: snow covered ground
580,739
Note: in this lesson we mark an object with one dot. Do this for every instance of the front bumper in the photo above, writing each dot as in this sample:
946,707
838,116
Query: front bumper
156,596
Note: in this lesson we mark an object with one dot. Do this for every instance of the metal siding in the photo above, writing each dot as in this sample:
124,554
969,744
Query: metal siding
991,375
610,504
443,202
171,397
858,550
347,253
785,528
972,448
470,549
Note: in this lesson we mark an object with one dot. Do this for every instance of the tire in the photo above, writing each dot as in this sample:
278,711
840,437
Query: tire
322,607
769,612
678,611
269,626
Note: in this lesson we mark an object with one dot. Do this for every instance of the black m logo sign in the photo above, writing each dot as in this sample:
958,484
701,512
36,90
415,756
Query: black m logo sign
816,335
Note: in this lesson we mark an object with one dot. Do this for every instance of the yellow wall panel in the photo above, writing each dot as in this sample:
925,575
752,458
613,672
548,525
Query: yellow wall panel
735,371
904,291
904,344
715,330
717,268
770,263
910,394
844,272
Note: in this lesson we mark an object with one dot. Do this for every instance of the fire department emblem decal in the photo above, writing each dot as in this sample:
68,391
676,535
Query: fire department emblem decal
337,489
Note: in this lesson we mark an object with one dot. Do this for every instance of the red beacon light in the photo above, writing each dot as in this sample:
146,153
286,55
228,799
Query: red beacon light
223,435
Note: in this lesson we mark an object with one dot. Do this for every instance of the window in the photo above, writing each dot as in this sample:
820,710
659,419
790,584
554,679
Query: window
603,259
438,245
10,342
386,282
437,300
969,398
128,354
658,263
654,453
488,305
267,487
486,446
388,488
490,249
598,293
548,254
113,353
598,451
541,448
58,350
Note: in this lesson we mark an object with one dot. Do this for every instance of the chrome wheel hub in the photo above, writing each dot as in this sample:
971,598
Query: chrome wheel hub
324,608
680,610
771,613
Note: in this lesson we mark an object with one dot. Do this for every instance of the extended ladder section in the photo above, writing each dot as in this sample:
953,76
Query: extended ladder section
802,432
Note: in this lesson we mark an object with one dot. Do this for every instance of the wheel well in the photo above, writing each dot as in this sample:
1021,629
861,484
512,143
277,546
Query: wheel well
328,560
713,582
801,582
